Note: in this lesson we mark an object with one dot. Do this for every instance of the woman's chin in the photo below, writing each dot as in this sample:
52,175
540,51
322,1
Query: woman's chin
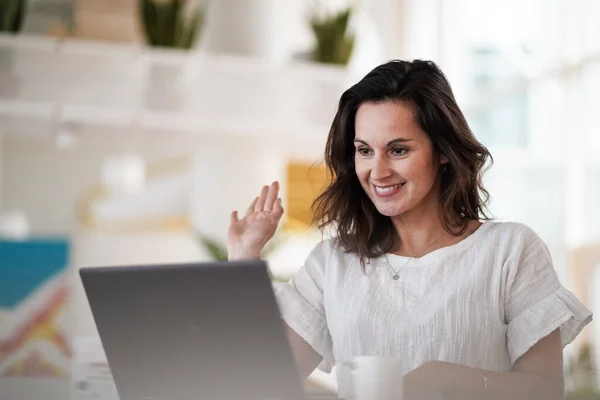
390,212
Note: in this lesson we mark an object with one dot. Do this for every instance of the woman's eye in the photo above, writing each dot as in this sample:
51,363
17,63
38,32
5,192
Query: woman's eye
363,151
398,151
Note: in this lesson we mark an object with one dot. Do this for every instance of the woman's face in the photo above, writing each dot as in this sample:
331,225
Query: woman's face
394,159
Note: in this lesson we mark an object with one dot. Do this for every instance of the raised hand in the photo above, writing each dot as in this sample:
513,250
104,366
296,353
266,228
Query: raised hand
247,236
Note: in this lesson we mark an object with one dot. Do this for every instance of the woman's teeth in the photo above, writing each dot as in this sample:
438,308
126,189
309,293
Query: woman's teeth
387,189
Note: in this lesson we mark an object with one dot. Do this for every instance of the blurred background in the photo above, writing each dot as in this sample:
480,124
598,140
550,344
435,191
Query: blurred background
130,129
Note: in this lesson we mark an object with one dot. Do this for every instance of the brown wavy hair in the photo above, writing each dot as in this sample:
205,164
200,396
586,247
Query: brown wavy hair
345,207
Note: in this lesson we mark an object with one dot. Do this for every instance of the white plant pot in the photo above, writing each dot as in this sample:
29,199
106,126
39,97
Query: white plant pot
165,87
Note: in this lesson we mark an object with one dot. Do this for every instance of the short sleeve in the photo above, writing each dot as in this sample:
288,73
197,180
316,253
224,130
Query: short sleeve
302,306
536,303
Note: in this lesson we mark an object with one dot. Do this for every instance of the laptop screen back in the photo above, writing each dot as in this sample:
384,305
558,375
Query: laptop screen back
197,331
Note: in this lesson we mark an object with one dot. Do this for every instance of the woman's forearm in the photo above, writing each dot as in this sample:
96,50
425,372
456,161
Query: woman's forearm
453,381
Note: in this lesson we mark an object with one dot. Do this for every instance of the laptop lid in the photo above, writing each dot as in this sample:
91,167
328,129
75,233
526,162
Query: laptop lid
192,331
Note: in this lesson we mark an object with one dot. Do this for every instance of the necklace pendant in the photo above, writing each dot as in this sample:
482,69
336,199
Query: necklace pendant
395,277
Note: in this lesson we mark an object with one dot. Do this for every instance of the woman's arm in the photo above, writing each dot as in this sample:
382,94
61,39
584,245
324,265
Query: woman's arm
538,374
306,358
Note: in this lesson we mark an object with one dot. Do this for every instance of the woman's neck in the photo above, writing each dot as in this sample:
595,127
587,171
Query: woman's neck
419,236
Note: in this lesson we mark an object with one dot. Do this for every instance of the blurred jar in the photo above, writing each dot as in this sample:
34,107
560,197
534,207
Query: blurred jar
14,225
125,173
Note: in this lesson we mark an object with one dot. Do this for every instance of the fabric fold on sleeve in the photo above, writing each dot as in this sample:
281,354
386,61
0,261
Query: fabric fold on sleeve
560,309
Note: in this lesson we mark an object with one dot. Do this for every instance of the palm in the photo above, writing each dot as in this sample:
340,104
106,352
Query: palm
254,230
247,236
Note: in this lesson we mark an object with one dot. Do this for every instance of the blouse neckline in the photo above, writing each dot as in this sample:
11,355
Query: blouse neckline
402,261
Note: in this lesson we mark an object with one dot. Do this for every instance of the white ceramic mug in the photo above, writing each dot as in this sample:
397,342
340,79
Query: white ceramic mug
376,378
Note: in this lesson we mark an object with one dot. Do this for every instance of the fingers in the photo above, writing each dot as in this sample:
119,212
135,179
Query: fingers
260,204
234,217
266,201
277,209
271,196
251,208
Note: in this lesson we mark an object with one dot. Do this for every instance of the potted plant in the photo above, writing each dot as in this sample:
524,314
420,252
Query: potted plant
12,14
171,23
334,44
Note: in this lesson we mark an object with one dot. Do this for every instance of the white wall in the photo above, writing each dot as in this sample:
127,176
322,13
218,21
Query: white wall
272,29
1,167
45,182
279,30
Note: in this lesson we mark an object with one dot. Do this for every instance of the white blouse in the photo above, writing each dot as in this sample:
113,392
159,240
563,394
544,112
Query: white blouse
482,302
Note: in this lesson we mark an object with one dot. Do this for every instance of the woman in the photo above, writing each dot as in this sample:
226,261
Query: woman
416,270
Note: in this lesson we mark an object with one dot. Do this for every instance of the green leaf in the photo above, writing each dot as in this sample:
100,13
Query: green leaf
342,22
2,18
20,16
345,50
167,24
217,250
178,31
172,15
11,15
149,14
190,34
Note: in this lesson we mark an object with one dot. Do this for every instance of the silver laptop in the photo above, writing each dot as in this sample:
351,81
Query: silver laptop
195,331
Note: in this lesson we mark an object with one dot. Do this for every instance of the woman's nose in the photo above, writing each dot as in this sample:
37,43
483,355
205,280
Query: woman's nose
381,169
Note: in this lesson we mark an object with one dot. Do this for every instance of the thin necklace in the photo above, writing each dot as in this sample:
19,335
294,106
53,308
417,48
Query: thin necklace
396,276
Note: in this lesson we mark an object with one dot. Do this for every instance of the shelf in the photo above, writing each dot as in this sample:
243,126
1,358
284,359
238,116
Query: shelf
102,87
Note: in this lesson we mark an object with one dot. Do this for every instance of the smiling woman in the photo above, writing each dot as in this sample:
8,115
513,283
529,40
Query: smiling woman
417,271
401,133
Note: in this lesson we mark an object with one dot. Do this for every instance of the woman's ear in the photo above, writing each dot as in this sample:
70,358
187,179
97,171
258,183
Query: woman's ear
444,160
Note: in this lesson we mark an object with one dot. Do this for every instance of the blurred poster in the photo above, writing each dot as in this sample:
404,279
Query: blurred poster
34,340
46,16
96,20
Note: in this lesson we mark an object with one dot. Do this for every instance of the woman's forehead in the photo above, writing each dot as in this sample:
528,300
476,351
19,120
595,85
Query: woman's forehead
387,121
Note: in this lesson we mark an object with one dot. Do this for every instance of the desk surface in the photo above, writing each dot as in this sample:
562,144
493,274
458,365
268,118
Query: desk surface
60,389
